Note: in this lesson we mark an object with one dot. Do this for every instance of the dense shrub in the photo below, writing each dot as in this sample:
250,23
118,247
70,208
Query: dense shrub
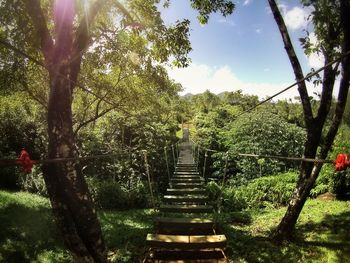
20,126
33,182
330,180
110,194
261,192
263,133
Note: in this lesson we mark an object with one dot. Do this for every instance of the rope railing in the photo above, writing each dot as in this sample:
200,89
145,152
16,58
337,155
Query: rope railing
11,162
226,154
144,153
308,76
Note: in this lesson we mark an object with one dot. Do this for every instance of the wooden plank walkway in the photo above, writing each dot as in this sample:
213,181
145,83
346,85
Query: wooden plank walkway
187,238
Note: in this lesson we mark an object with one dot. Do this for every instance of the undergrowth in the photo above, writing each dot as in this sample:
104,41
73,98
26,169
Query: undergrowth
28,232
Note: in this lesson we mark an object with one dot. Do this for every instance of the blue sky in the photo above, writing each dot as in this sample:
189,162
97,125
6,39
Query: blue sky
243,51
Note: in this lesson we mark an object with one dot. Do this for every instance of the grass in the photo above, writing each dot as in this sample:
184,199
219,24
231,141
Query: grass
322,235
28,233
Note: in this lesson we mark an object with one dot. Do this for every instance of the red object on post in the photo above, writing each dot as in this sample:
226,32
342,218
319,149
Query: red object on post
342,162
25,161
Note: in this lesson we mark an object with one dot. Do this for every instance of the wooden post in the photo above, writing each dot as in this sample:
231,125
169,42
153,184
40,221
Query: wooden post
167,164
174,159
225,170
148,177
204,165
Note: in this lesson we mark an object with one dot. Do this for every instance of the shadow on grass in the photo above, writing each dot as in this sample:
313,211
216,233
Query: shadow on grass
325,241
29,234
125,233
332,233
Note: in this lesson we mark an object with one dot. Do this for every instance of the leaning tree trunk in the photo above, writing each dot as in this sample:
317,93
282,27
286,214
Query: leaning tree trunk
314,126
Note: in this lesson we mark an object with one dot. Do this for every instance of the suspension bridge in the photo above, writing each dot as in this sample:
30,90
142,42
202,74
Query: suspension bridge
184,230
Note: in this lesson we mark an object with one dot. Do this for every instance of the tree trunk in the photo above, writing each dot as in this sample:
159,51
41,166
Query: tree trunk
70,199
69,195
287,224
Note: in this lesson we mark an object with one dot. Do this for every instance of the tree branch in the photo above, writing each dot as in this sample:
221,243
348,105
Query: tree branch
327,90
97,115
39,22
82,39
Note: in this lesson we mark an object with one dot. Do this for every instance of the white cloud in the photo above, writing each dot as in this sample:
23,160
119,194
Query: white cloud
247,2
258,30
315,60
281,7
199,78
296,18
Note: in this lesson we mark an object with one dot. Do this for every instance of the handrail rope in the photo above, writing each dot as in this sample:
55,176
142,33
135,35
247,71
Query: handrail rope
7,162
309,75
288,158
10,162
174,144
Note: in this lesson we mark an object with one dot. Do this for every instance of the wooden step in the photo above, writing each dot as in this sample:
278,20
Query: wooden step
186,208
186,185
188,256
186,191
187,198
184,226
184,222
187,180
186,173
187,176
185,169
186,242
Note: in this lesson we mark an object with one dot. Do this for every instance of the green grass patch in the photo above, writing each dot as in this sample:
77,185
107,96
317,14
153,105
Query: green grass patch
125,233
29,234
179,134
322,235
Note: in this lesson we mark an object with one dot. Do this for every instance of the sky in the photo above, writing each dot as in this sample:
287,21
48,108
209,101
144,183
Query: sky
244,50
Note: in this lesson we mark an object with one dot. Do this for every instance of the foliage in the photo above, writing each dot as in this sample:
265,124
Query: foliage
206,7
268,191
33,182
237,98
21,127
331,180
110,194
205,102
263,133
